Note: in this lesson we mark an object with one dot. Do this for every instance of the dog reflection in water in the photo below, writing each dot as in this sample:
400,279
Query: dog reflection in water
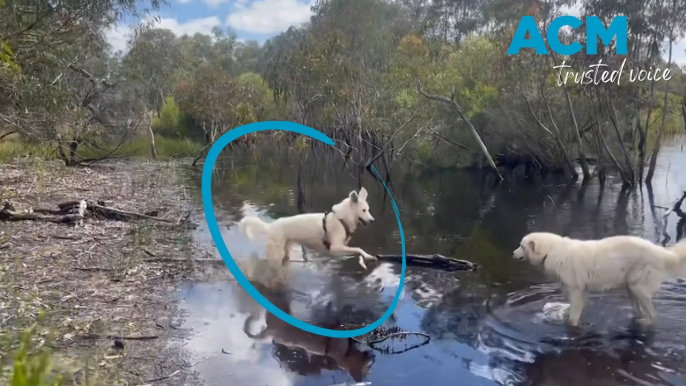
323,352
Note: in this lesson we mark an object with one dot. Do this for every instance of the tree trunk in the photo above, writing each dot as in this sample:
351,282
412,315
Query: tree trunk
582,155
72,153
627,180
300,186
642,138
153,147
683,110
643,134
665,112
202,153
565,157
207,133
614,117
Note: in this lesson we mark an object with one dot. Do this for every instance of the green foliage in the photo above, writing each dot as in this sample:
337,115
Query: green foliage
7,57
11,149
33,367
425,153
355,65
259,86
166,147
216,101
168,122
136,147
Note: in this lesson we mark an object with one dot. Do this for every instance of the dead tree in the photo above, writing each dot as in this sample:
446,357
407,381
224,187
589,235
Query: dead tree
665,106
580,144
451,102
614,119
100,128
153,148
555,135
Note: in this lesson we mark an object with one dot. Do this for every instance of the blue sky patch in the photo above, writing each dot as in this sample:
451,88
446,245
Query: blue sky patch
251,19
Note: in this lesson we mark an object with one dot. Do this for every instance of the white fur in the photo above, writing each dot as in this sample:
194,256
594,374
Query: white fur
583,266
307,229
345,353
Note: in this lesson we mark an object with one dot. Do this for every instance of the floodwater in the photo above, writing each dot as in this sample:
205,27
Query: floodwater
485,327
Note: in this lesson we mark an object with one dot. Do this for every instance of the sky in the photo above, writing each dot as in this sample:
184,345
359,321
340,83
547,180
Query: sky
251,19
256,20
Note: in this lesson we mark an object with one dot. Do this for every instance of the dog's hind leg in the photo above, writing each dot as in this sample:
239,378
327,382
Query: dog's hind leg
645,302
577,300
276,250
638,312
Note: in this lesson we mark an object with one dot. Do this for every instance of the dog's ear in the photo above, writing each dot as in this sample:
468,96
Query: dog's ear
532,246
363,194
354,197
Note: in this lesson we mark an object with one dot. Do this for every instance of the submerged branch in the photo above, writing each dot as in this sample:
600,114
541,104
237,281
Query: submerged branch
434,261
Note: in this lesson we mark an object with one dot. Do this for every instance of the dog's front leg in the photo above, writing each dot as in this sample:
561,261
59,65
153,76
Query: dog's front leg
577,300
342,250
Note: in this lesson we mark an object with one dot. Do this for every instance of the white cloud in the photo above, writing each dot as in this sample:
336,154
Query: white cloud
184,1
191,27
119,33
268,16
678,52
117,36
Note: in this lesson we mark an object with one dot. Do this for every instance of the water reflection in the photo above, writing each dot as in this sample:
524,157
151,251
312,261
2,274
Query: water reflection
302,352
486,326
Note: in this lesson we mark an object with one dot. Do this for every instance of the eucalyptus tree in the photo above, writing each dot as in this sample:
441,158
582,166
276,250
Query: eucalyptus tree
63,87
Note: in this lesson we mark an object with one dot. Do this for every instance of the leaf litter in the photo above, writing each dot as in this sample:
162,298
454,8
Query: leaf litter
100,290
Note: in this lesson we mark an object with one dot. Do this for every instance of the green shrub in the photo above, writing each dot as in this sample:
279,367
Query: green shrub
169,122
33,368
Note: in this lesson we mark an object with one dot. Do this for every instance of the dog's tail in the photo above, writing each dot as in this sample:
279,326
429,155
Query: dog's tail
677,268
248,224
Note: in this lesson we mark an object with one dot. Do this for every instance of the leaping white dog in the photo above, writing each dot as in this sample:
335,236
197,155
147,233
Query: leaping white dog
327,233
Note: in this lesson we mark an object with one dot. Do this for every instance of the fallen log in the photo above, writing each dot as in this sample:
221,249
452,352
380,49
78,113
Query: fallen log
432,261
72,211
8,213
100,210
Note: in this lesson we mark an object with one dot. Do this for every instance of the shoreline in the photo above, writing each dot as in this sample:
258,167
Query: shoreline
88,289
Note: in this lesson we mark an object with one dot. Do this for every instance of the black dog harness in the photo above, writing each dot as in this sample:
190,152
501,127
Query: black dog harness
326,241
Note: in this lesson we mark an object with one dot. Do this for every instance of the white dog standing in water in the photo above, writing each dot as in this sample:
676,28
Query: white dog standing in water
327,233
584,266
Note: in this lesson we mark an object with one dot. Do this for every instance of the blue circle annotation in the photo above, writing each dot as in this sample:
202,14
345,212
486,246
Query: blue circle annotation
206,189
